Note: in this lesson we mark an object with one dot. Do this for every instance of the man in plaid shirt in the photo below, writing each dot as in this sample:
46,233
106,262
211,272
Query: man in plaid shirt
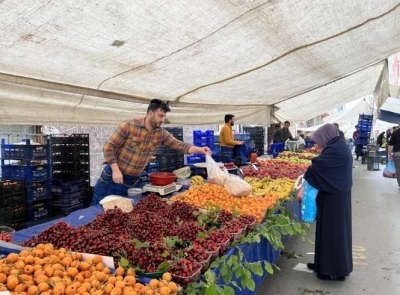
129,149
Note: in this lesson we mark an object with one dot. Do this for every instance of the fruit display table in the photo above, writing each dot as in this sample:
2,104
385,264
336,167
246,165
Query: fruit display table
253,252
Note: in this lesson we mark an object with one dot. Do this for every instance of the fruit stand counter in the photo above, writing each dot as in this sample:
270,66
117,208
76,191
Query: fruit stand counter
252,252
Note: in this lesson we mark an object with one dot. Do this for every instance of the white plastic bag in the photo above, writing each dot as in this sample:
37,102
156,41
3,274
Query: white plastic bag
214,173
237,187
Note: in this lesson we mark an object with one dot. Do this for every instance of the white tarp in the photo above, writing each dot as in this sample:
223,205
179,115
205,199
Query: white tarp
99,62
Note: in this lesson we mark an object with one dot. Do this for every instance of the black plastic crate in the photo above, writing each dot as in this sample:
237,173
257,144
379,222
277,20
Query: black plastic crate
13,200
11,187
36,191
75,138
5,216
38,210
17,212
18,224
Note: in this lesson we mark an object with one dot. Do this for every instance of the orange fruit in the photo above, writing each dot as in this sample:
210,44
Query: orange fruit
97,259
3,278
12,282
167,276
119,271
164,291
12,257
33,290
130,280
153,283
173,287
116,291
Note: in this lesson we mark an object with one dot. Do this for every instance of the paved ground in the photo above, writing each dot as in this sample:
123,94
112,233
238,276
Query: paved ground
376,245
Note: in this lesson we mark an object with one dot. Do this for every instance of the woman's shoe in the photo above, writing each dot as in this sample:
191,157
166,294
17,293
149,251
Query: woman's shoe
330,278
311,266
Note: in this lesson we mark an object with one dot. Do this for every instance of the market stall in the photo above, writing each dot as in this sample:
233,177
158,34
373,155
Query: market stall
253,247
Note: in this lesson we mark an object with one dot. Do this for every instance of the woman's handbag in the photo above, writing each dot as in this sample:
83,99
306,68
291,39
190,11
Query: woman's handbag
390,170
308,202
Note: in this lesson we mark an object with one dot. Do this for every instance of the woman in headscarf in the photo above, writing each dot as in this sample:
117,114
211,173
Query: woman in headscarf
331,174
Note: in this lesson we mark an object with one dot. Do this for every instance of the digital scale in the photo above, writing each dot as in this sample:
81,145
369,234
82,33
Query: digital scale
162,190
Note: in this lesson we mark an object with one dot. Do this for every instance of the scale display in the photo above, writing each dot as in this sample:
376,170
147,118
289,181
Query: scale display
162,190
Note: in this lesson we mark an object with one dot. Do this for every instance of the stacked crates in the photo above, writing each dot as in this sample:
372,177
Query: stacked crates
152,166
364,129
12,203
256,139
29,163
71,172
67,196
167,158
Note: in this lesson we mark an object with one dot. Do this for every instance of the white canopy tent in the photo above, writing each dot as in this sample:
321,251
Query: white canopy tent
99,62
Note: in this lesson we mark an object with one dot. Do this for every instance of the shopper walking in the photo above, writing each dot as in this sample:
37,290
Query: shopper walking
394,152
358,147
129,149
331,174
226,141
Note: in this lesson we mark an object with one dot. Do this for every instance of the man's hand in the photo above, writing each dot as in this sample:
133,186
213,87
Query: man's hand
116,173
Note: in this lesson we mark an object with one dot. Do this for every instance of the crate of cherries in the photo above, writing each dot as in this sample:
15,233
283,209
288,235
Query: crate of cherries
6,233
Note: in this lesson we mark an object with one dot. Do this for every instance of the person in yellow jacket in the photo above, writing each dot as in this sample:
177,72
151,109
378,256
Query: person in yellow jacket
226,141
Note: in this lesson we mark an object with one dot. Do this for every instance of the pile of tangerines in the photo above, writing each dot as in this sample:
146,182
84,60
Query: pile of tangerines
43,270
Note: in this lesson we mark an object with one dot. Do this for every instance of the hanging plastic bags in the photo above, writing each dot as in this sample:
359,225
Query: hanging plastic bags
390,170
308,202
237,187
214,173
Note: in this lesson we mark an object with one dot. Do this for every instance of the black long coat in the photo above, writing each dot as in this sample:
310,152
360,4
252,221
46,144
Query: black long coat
331,173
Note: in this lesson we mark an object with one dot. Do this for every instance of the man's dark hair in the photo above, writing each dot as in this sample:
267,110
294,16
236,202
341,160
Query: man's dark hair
228,117
156,104
286,122
336,124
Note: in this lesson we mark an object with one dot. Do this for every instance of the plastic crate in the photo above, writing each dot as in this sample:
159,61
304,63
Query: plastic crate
25,151
59,139
11,187
38,210
65,210
365,117
17,212
18,224
5,216
66,188
309,143
13,200
36,191
25,172
363,134
70,200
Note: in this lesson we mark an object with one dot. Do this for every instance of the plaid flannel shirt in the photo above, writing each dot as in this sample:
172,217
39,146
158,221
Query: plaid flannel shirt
131,146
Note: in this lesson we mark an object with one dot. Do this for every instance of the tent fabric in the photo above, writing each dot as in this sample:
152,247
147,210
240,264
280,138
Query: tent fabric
91,62
390,111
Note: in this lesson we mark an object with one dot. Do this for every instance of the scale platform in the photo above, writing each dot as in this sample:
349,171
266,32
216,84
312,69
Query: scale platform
162,190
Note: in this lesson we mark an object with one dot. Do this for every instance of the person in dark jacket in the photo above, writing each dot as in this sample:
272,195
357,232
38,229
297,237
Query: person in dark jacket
331,174
379,139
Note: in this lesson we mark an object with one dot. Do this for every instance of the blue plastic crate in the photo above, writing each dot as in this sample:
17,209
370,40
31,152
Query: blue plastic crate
36,191
28,172
362,134
25,151
365,128
68,201
365,117
66,188
38,210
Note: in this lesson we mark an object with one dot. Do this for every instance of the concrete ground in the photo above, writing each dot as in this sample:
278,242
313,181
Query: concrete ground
376,245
